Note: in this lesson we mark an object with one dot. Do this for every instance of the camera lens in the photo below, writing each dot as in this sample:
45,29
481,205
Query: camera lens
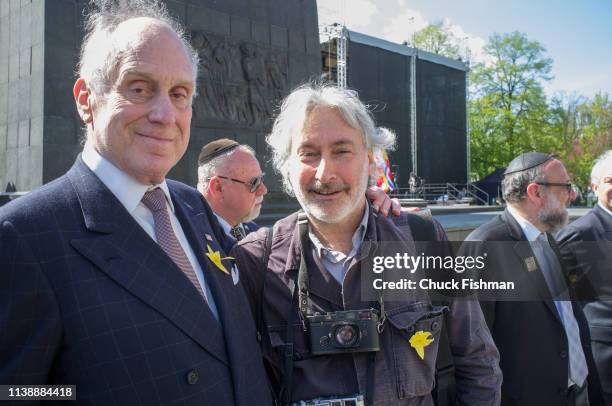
346,335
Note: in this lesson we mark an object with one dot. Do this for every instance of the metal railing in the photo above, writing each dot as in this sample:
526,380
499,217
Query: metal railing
445,193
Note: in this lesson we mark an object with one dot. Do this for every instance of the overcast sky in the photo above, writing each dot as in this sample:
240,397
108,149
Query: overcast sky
576,34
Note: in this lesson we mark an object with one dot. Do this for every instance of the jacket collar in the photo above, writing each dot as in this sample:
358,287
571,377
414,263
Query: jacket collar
604,217
112,239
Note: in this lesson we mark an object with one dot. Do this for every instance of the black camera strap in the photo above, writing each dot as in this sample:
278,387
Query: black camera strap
303,299
299,295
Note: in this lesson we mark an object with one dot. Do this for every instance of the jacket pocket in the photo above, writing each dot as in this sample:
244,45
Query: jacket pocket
415,336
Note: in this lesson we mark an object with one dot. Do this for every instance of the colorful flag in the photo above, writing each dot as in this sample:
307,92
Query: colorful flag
384,176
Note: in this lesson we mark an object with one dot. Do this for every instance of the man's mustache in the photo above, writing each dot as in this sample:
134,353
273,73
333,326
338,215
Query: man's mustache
320,187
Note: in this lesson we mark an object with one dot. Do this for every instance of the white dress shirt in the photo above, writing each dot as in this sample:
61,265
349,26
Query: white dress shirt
129,192
539,243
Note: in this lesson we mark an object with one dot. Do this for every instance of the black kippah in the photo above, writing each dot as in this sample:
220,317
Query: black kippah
527,161
215,148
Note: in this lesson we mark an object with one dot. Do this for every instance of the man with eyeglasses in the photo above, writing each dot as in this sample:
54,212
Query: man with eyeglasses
231,181
541,333
586,247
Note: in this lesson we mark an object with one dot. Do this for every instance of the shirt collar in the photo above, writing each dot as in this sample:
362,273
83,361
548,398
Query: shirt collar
357,238
224,224
125,188
604,208
530,231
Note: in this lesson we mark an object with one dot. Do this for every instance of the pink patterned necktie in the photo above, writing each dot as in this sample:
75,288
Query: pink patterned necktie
155,200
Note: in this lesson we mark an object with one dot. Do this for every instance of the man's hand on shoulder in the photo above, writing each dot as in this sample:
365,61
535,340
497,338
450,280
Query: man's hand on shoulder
382,203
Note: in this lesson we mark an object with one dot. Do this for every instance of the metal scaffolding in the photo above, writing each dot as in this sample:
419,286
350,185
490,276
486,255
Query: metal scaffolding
339,33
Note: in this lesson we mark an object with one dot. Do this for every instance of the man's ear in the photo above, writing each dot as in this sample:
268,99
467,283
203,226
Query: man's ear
534,194
84,100
371,163
215,185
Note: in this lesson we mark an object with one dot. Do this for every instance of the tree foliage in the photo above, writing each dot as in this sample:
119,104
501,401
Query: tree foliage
436,38
508,110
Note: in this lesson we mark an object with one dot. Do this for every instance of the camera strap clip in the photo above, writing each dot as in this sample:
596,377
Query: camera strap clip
383,315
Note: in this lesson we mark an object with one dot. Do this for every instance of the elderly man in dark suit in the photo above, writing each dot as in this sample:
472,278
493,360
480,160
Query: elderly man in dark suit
543,339
586,247
112,278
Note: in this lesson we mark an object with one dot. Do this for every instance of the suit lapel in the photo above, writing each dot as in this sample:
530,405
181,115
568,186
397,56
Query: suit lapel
606,221
229,296
120,248
523,250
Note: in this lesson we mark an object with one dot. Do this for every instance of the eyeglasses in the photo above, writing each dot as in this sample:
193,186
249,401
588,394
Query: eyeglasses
567,186
252,183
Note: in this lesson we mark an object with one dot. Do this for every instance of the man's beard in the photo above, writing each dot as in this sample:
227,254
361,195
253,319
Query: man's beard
253,214
320,212
553,215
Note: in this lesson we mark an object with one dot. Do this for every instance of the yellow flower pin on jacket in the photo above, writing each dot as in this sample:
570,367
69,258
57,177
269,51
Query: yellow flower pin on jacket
419,341
215,258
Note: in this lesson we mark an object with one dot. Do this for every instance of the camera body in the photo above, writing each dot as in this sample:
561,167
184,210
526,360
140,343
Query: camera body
343,331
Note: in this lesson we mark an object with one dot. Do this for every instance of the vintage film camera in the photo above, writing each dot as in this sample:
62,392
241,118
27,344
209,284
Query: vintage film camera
343,331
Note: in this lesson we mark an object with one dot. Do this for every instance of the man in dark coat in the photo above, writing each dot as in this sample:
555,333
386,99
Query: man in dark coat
323,142
586,248
112,278
542,338
231,181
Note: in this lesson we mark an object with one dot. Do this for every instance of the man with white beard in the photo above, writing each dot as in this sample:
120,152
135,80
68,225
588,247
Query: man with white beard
543,341
231,181
304,276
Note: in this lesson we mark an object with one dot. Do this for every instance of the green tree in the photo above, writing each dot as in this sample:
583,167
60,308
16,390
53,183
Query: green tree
436,38
509,113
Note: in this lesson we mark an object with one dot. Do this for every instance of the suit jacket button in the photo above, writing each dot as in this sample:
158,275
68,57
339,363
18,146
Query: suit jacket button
192,377
563,354
434,326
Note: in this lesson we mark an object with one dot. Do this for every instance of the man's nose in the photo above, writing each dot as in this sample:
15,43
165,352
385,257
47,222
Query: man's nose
262,189
326,171
162,110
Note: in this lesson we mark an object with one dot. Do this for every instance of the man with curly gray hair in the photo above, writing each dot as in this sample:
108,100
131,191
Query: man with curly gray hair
112,278
322,143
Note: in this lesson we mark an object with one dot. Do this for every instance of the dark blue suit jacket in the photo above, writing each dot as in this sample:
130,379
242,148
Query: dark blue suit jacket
250,226
88,298
586,247
530,335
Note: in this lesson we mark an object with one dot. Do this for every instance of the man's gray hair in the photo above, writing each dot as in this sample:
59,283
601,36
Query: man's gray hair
101,53
297,106
598,166
219,163
514,185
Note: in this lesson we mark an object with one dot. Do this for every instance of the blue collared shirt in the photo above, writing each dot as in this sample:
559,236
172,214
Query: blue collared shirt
336,262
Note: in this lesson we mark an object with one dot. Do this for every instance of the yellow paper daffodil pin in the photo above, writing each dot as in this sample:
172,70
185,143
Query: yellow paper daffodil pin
419,341
215,258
